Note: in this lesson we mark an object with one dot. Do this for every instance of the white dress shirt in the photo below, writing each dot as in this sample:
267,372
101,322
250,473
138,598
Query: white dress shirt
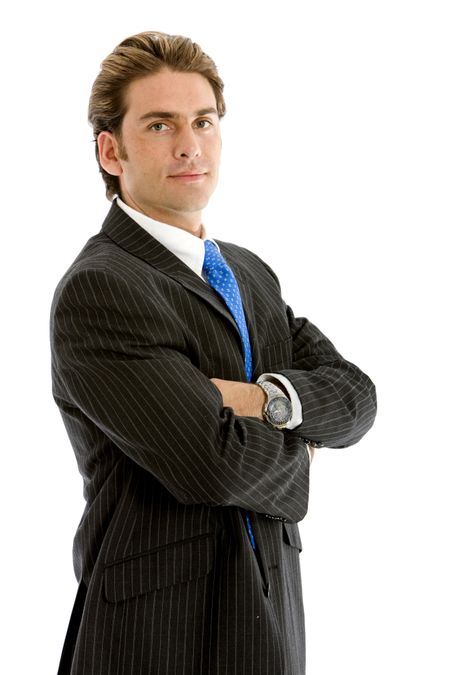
191,250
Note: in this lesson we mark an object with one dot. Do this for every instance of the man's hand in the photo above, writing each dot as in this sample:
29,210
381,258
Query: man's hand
245,399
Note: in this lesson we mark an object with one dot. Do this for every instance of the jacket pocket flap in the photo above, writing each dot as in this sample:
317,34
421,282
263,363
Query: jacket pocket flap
174,564
292,535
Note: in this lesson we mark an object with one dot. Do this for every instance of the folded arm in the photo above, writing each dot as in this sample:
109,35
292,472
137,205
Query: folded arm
338,400
122,363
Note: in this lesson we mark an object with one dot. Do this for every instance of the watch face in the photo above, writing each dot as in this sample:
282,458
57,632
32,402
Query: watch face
279,410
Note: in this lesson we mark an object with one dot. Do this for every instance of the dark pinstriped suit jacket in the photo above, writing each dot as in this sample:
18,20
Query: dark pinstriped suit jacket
169,581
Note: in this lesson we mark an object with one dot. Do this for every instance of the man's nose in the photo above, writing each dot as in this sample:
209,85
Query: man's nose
187,144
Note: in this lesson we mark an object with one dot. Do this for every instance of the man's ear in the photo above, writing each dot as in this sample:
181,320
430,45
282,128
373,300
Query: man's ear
108,153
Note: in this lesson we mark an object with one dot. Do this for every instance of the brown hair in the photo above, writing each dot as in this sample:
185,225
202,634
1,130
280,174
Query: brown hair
137,56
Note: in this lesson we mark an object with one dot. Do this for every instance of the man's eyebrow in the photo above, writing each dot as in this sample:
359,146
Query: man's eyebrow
166,115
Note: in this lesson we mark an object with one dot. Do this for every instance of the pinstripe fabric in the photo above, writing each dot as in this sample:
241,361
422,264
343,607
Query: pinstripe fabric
172,584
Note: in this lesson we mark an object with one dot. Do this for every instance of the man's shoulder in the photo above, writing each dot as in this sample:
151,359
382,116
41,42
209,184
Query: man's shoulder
102,251
96,254
246,261
100,264
238,253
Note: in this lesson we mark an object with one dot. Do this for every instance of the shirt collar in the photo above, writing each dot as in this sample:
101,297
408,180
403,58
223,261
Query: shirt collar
184,245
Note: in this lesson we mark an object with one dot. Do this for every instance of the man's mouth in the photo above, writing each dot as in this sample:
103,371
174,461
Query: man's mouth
188,176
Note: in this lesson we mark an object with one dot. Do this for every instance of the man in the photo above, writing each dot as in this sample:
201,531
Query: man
192,402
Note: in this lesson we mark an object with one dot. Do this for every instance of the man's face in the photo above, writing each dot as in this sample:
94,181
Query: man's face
167,158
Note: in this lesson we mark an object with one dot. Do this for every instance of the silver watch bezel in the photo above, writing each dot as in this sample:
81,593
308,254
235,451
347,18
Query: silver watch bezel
272,394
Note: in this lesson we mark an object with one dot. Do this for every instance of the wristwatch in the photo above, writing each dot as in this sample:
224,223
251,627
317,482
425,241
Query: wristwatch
277,409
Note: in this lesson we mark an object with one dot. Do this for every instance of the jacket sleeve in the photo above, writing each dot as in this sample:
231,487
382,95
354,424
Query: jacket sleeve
338,399
121,363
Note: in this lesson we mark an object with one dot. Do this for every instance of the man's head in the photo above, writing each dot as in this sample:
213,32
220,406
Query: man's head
168,160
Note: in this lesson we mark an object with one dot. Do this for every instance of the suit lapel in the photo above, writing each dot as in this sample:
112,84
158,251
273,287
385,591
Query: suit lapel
127,234
247,301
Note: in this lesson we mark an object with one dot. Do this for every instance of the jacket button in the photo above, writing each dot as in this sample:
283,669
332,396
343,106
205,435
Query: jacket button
280,518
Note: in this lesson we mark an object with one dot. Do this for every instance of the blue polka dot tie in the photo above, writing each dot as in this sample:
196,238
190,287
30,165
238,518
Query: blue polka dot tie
220,277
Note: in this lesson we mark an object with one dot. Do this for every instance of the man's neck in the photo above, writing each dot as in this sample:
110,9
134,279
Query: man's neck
191,223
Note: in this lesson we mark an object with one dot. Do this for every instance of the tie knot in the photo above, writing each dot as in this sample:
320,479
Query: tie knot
213,258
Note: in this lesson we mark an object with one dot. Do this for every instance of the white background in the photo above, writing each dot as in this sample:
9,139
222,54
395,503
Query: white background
336,171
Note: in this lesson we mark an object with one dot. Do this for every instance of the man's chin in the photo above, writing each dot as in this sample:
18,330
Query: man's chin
190,205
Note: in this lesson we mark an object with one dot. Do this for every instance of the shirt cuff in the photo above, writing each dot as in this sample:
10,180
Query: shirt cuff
297,414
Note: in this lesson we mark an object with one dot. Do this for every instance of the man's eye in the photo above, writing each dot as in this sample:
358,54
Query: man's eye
204,124
159,126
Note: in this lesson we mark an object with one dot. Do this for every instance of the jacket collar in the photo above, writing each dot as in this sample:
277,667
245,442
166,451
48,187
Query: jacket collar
130,236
